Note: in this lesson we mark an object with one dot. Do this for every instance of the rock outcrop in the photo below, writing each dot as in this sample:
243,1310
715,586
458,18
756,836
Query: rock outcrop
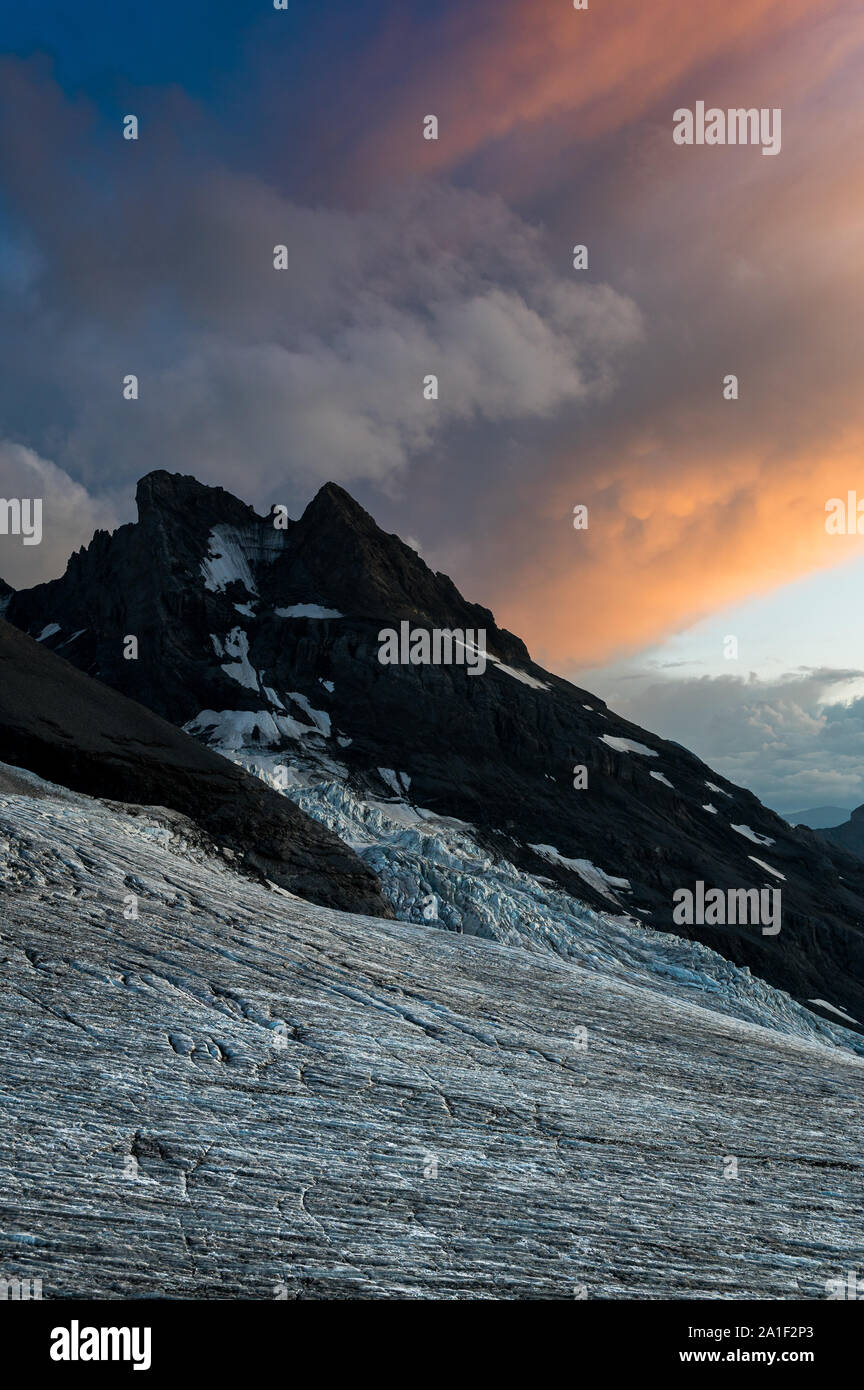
66,727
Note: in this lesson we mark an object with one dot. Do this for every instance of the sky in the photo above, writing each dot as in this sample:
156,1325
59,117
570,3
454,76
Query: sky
558,387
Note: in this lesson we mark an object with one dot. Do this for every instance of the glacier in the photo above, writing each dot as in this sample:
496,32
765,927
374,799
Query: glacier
213,1089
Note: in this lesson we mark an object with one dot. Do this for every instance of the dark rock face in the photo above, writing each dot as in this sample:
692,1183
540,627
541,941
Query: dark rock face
237,618
849,836
72,730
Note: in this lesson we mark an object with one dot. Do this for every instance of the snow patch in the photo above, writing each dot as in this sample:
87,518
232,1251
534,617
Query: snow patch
658,777
227,561
48,631
753,835
394,780
711,809
240,669
763,865
522,676
834,1010
588,872
320,718
234,729
307,610
628,745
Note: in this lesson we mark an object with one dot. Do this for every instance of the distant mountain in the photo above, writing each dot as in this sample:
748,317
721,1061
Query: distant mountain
72,730
263,641
820,817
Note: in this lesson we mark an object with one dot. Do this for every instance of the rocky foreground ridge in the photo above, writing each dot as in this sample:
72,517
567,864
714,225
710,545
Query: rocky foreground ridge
59,723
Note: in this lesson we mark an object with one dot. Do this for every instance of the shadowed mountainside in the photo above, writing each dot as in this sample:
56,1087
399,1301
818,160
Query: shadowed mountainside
263,641
62,725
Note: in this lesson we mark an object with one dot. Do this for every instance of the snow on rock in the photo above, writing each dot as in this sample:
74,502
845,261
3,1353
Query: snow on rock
588,872
627,745
712,787
227,561
307,610
752,835
399,783
48,631
658,777
712,810
763,865
236,729
240,668
522,676
320,718
832,1008
236,552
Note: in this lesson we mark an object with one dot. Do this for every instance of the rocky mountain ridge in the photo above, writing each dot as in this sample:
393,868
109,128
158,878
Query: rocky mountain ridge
260,635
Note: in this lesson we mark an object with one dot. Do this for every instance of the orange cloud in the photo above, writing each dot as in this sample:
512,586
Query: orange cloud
740,264
493,68
657,558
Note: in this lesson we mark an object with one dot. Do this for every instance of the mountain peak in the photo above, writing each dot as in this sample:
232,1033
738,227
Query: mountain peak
332,503
161,493
266,644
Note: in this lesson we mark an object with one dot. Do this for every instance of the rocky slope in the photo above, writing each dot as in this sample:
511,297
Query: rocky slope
59,723
263,642
848,836
229,1093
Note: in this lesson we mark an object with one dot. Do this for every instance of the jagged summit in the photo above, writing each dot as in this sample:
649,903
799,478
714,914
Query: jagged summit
263,642
179,498
332,504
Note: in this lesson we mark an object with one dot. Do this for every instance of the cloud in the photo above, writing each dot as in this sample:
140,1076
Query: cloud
556,389
69,516
796,742
520,85
247,373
